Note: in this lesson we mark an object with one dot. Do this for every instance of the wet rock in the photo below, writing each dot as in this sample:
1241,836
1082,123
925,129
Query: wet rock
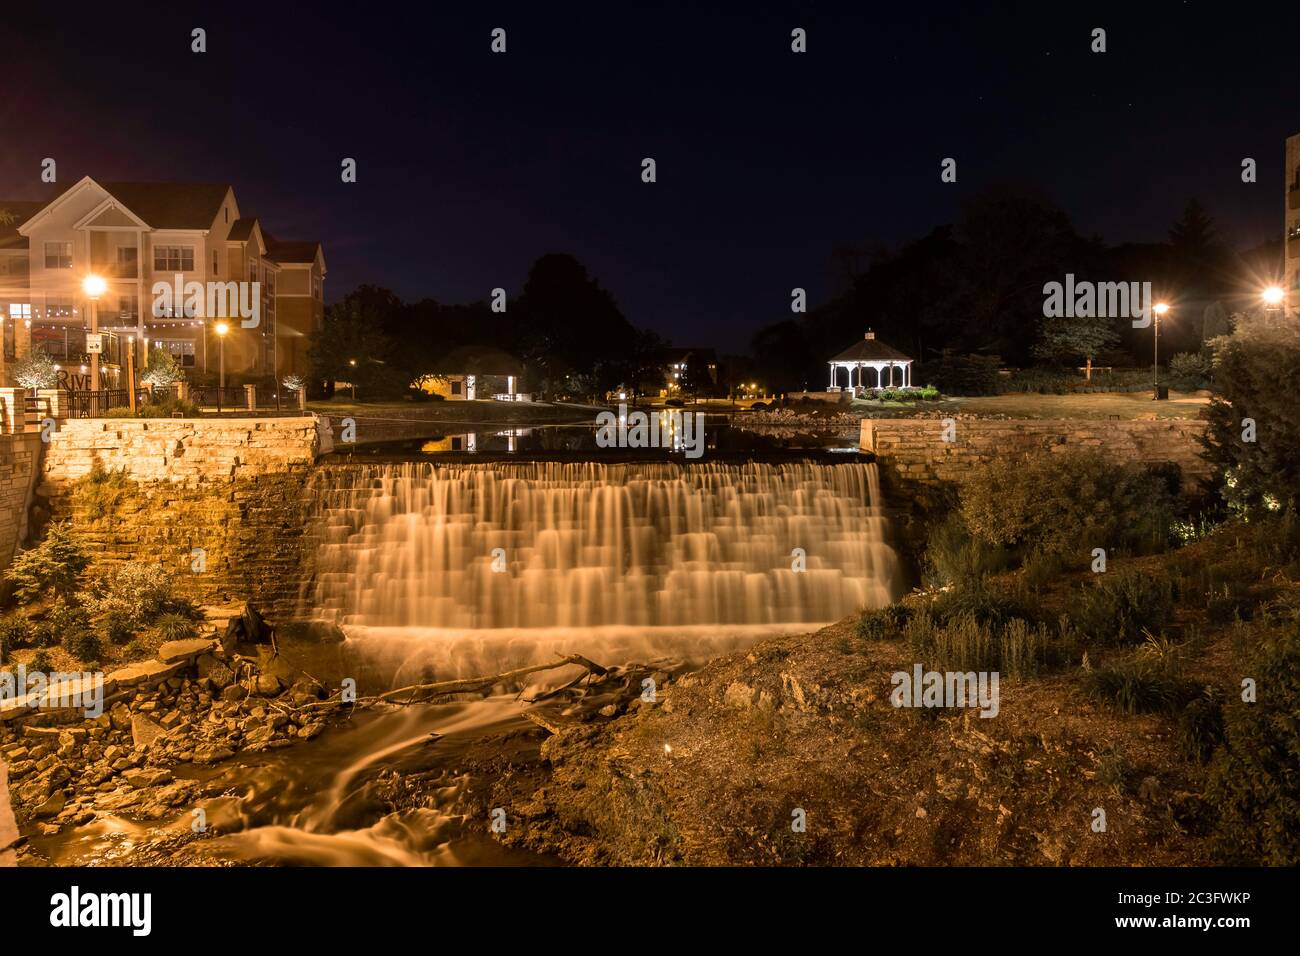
212,754
147,778
51,806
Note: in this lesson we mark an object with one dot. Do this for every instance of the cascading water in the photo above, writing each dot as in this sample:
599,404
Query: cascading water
598,549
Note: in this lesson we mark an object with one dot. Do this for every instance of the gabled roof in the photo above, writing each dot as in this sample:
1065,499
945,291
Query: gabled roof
290,251
172,205
241,230
22,210
871,350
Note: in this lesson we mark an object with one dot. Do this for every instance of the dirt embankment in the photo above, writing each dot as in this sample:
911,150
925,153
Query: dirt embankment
727,763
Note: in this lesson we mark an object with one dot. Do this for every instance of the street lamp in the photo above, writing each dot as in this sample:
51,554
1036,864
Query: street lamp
1273,295
221,329
353,376
94,286
1160,309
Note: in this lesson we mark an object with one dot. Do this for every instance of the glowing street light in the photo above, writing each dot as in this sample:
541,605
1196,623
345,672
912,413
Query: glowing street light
1273,295
221,328
1160,309
94,286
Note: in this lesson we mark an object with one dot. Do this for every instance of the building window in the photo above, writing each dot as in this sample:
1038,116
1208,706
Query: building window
58,255
181,349
57,307
173,259
216,270
127,308
252,270
126,260
455,388
18,311
315,287
270,283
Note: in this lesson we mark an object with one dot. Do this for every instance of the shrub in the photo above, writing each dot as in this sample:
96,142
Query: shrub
987,605
1254,778
1134,686
1189,371
118,628
41,661
53,566
1255,371
1065,504
963,374
15,631
1120,605
100,492
65,618
174,627
84,645
964,643
133,595
161,369
882,624
955,557
1200,729
170,407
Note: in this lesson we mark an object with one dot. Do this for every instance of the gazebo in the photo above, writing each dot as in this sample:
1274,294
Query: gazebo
870,352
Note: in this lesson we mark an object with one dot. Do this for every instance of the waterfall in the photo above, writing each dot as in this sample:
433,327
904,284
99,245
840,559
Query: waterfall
524,545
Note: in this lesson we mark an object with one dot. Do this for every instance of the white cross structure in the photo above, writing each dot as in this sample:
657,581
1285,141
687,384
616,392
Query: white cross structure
893,369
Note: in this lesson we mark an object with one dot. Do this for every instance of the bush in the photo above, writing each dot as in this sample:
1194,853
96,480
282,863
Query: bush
1066,504
174,627
965,643
882,624
954,557
133,595
84,645
171,407
118,628
1134,686
1120,605
1189,371
1255,371
53,566
1254,778
100,492
988,606
41,661
1200,729
66,618
15,631
963,374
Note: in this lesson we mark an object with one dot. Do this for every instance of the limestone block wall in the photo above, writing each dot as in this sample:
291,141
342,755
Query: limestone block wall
913,450
186,451
20,462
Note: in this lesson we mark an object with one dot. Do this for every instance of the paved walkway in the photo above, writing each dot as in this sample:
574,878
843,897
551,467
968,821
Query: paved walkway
8,827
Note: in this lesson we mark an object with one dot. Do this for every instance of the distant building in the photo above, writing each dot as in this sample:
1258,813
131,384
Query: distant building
135,235
684,367
1291,278
474,372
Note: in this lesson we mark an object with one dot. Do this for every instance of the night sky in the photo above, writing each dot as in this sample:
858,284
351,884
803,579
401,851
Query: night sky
471,165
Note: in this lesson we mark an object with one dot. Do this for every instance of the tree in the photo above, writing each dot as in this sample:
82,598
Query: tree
36,371
1069,337
53,565
1253,437
352,347
162,370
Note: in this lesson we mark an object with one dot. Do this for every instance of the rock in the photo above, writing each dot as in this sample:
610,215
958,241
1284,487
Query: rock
171,719
51,806
1150,791
146,673
212,754
185,650
120,716
147,777
144,731
216,672
741,696
268,685
234,692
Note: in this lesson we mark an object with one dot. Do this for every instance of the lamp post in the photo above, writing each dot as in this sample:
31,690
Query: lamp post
130,373
1273,297
1160,309
353,376
94,287
221,329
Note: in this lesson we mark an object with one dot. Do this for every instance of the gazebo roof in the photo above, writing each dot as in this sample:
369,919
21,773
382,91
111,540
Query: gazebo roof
871,349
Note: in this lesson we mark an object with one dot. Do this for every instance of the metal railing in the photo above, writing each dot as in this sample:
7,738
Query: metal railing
88,404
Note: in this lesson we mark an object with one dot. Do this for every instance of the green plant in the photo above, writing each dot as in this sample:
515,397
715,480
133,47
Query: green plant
1120,606
987,605
174,627
55,565
1134,686
883,623
84,645
66,617
1200,729
99,492
118,628
41,661
170,407
15,631
1066,504
133,594
953,556
1189,371
161,369
36,370
1254,777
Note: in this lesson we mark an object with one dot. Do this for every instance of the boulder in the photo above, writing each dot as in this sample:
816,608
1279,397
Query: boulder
186,650
144,731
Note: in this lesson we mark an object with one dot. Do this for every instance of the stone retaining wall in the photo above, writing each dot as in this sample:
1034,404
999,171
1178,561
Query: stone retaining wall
913,450
20,461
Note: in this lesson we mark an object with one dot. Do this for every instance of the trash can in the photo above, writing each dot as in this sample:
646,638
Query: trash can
1162,393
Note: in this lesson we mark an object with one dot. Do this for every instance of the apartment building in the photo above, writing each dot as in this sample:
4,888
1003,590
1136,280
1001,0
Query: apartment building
134,235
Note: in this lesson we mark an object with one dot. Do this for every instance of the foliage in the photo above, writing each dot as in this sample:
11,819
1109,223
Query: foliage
1189,371
100,491
1257,373
1254,778
963,374
1071,337
1121,606
41,661
294,383
1065,504
132,595
84,645
963,642
169,407
15,631
65,620
162,371
36,371
883,623
174,627
1135,686
53,566
953,556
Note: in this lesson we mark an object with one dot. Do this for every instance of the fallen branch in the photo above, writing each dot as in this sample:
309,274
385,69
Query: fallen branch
470,684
